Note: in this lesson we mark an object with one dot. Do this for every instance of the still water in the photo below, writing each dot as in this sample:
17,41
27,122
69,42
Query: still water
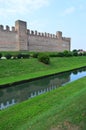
18,93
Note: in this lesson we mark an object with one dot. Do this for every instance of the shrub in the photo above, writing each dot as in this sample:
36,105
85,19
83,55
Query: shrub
60,54
22,55
35,55
84,54
75,52
67,53
14,57
44,58
80,54
8,56
53,54
0,55
25,55
19,56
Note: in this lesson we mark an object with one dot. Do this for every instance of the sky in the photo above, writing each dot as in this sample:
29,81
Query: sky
68,16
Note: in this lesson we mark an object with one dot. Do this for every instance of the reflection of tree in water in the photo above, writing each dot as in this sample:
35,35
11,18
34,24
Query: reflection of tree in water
64,75
82,69
75,72
10,89
1,93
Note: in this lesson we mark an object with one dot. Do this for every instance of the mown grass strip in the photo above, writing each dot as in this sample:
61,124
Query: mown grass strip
48,111
22,69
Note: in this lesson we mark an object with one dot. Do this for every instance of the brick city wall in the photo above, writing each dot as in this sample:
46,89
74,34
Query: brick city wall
20,38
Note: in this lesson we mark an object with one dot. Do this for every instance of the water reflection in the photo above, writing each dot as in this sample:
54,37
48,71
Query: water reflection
7,104
15,94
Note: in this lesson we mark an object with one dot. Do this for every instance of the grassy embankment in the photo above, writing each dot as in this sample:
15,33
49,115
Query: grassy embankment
20,69
60,109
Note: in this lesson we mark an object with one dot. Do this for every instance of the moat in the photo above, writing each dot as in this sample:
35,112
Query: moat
18,93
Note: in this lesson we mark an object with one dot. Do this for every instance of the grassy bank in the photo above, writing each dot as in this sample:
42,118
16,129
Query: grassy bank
60,109
16,70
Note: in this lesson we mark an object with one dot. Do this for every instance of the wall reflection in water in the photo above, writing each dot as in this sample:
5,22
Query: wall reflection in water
15,94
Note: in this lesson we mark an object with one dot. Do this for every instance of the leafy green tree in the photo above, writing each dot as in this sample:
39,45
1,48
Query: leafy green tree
75,52
67,53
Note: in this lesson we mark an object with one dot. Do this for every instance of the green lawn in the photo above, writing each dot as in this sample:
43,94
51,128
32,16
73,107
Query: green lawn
60,109
20,69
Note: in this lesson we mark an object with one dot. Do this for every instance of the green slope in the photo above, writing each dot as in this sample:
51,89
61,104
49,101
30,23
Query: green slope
21,69
60,109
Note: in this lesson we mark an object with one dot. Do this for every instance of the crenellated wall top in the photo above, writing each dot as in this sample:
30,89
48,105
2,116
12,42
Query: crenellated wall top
66,39
41,34
22,26
7,28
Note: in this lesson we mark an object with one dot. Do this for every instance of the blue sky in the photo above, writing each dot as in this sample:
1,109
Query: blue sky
68,16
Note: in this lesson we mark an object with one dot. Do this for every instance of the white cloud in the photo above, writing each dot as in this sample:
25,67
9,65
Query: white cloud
16,7
69,11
